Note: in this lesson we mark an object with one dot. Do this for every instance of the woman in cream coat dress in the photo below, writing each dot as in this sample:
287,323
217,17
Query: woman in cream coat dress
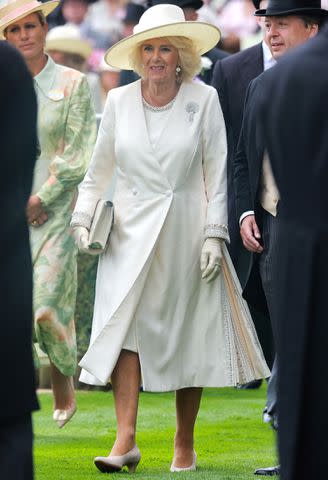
66,133
160,317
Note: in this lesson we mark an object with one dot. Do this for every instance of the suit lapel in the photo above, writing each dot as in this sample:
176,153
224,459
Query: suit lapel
253,64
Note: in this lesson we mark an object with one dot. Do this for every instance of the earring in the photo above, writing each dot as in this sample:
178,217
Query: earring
178,70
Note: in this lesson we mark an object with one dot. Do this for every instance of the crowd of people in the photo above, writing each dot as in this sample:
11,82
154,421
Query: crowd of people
80,31
212,146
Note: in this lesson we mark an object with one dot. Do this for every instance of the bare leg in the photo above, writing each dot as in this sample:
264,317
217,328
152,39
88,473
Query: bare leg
63,389
187,406
126,379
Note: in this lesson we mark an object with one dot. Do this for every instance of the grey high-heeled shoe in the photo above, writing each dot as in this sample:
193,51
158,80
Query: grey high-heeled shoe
192,467
115,463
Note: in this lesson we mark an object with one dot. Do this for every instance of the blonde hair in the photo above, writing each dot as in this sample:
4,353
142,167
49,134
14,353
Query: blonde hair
189,58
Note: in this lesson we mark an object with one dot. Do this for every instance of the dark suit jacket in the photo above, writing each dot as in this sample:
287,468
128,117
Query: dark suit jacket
247,168
231,78
18,152
295,119
247,163
214,55
127,76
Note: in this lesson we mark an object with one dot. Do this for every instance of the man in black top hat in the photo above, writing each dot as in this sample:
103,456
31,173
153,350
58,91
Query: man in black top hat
190,8
231,78
289,23
299,163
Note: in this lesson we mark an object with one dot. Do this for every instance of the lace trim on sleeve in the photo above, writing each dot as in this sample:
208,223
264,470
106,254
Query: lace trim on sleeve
81,219
218,231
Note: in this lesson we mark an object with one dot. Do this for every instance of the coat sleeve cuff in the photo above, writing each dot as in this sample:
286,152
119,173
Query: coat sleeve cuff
217,231
50,191
245,214
81,219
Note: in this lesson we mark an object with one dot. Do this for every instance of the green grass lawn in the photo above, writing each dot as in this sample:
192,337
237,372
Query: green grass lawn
231,440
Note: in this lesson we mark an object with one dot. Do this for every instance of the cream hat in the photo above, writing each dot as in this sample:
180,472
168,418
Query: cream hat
162,21
67,38
19,9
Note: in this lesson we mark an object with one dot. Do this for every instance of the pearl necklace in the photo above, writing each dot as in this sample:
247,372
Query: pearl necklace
158,109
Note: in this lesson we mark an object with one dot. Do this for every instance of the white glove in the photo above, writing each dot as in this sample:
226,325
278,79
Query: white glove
210,259
81,236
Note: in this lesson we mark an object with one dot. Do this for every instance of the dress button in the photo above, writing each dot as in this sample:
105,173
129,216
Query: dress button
134,191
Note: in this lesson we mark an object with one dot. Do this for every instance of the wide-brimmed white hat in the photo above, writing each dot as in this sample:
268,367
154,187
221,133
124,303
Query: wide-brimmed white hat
162,21
13,11
67,38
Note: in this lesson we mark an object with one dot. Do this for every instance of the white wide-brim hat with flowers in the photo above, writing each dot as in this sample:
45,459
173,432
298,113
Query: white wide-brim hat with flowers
18,9
160,21
67,38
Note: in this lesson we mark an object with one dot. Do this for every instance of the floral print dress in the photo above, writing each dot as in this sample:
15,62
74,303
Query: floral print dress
67,132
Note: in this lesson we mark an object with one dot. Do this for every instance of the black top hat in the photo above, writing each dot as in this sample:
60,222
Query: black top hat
196,4
278,8
133,13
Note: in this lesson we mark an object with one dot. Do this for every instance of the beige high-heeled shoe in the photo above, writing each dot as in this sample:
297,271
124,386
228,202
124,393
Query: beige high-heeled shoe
115,463
192,467
61,417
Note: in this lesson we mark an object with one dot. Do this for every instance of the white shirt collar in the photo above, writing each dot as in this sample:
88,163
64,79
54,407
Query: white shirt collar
46,77
268,60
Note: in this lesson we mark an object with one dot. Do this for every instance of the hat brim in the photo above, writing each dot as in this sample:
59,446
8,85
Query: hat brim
204,35
280,13
70,45
45,8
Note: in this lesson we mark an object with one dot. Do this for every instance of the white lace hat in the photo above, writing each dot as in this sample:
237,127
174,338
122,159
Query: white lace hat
160,21
16,10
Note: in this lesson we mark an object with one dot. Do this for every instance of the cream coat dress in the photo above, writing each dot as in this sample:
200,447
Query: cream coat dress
167,200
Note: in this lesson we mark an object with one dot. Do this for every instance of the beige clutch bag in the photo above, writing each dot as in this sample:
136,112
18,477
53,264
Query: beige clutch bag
101,225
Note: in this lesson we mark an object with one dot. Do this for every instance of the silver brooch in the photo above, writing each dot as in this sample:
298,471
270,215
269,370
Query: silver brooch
192,108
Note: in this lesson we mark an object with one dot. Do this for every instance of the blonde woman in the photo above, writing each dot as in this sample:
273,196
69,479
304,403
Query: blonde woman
161,314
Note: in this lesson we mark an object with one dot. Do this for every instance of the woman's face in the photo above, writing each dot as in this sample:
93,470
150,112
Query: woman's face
28,36
159,59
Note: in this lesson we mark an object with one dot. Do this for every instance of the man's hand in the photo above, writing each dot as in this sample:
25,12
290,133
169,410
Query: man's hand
250,234
36,215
